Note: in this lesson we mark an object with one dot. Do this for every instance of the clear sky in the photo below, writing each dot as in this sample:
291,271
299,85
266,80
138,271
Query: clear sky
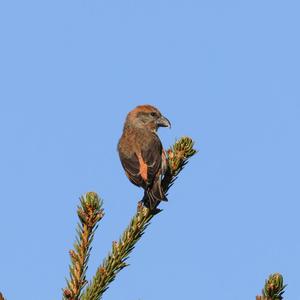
225,73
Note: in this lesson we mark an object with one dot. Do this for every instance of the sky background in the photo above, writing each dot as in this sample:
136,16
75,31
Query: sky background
225,73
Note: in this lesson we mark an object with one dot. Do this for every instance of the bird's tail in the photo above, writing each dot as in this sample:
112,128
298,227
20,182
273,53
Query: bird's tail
153,195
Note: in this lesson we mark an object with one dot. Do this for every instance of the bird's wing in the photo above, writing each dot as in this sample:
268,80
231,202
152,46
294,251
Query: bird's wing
143,167
131,166
151,156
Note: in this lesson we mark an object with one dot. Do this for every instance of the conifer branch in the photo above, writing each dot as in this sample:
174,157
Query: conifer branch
273,289
89,213
177,157
116,259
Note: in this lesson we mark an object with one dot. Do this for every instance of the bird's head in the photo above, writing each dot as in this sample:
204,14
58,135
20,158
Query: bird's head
147,116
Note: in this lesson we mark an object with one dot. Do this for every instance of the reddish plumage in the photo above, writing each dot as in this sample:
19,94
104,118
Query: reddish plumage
141,152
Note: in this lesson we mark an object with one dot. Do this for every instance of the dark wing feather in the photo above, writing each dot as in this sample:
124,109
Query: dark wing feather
151,154
132,168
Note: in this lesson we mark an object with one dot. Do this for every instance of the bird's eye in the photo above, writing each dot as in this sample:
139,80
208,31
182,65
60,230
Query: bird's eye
153,114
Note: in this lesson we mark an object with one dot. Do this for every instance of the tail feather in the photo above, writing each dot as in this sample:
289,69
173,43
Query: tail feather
153,195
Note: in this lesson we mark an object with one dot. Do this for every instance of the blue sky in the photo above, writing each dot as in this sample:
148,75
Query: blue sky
225,73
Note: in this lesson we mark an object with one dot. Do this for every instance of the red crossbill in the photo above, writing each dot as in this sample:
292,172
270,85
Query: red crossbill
141,152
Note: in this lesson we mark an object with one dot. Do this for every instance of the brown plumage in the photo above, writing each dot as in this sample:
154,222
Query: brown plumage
141,152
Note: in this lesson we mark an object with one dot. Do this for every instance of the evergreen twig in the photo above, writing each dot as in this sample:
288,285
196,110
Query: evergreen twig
90,212
273,289
177,156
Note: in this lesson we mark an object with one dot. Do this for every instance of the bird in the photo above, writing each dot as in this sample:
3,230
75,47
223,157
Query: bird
141,152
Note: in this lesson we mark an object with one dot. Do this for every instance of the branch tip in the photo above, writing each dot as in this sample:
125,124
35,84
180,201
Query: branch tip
273,289
90,212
